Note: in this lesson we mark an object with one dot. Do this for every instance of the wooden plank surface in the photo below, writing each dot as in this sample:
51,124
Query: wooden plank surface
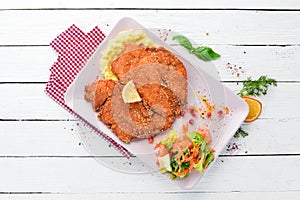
28,101
274,195
86,175
275,61
224,26
41,156
156,4
59,138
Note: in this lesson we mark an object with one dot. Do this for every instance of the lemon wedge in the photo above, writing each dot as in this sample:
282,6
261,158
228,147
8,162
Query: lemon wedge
130,94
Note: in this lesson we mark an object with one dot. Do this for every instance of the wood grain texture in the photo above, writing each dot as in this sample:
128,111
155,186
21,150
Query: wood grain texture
157,4
41,156
28,101
224,26
275,61
59,138
85,175
236,195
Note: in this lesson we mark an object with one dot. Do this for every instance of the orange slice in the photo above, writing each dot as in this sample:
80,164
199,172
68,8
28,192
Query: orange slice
255,108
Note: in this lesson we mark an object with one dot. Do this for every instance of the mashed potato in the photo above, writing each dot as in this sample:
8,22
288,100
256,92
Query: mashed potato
115,47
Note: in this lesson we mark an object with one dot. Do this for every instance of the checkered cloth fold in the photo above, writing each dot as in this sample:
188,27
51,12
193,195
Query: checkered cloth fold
74,48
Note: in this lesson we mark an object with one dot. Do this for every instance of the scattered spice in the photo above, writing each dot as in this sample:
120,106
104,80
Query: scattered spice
164,33
191,121
234,70
232,147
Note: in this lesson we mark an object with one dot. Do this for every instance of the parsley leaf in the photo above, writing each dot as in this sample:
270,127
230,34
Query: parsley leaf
256,87
204,53
240,132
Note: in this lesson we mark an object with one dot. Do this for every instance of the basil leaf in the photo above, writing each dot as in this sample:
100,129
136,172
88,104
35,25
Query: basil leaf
183,41
202,52
205,53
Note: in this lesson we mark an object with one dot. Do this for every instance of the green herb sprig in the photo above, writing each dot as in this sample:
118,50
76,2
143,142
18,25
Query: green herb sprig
204,53
240,132
256,87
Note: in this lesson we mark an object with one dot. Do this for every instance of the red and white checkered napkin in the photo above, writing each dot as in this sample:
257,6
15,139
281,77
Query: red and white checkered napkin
74,48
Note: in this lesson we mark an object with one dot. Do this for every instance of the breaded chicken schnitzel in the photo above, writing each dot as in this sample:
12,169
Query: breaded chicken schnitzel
160,78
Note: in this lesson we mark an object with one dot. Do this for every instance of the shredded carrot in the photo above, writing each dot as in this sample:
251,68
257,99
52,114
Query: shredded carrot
181,173
226,110
157,145
185,128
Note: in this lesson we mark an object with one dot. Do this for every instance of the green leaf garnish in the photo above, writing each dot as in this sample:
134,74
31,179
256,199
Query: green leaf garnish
183,41
204,53
210,157
257,87
240,132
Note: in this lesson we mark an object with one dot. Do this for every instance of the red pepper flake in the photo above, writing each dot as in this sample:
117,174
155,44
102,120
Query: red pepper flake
191,121
182,113
150,139
208,114
220,112
194,114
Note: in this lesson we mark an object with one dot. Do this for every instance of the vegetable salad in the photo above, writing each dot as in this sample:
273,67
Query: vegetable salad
180,155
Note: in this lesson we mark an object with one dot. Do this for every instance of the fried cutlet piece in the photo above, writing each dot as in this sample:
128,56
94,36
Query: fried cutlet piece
121,135
98,92
163,93
106,116
156,113
141,56
130,47
155,73
89,91
162,102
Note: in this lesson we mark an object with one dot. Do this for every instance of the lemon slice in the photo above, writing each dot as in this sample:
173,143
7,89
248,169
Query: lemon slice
255,108
130,94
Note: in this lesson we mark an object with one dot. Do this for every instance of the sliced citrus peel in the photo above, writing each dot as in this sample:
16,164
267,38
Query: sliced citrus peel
255,108
130,94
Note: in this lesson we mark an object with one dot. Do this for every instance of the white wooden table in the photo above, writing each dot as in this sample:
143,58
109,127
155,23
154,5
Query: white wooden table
40,155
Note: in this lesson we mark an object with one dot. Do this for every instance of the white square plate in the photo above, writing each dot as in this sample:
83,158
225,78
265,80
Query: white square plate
222,130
